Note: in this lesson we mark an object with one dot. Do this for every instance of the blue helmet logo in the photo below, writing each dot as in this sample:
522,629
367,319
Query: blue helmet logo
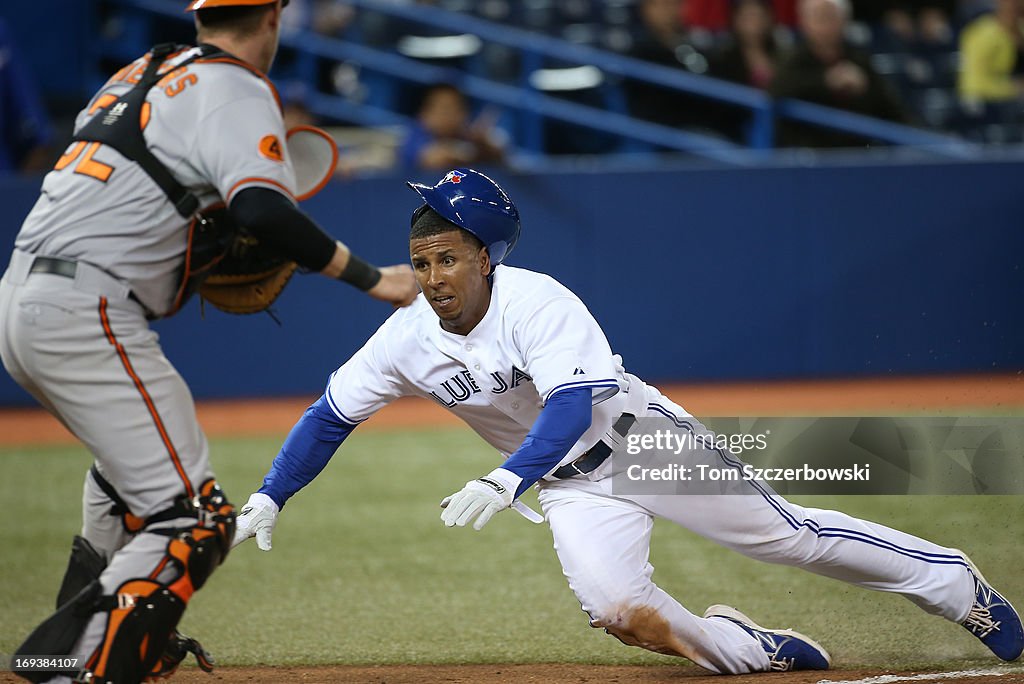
475,203
455,176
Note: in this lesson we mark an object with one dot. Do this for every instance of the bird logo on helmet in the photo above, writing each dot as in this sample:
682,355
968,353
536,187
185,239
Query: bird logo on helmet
211,4
477,204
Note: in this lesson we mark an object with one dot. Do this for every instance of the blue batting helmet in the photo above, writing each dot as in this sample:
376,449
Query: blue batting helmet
475,203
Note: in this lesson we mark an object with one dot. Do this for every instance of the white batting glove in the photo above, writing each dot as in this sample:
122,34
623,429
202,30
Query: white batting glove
480,499
256,519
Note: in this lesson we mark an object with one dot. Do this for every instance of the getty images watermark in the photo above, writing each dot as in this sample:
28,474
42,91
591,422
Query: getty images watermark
671,441
820,456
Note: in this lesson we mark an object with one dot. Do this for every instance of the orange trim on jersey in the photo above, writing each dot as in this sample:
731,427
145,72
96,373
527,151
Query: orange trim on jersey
334,161
102,101
247,67
154,414
258,179
145,114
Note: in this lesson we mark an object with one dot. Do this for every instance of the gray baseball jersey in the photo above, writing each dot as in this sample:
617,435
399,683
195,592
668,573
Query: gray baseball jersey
217,132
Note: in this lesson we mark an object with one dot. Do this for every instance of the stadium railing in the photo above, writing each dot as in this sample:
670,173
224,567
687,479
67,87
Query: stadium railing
534,106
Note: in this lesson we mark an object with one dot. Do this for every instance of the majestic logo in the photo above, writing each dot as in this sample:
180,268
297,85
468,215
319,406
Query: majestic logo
453,177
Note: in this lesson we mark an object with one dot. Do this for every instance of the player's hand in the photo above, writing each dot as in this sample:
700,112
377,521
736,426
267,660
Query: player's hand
397,285
256,519
480,499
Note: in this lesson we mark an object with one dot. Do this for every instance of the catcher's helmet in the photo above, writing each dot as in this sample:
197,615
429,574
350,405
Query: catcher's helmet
475,203
210,4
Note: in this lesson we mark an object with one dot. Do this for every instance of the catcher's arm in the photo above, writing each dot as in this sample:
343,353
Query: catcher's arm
276,222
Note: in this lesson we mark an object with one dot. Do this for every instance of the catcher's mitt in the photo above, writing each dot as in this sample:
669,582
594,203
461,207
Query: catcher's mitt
248,279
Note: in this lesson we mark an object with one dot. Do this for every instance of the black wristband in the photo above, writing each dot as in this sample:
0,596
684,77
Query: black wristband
360,273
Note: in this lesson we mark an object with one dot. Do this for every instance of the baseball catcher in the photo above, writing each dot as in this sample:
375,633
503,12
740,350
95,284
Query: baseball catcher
180,179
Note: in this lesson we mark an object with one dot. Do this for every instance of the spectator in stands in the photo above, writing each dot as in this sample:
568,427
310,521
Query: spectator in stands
443,135
662,38
661,31
896,32
24,126
903,29
990,51
749,57
934,28
716,15
828,71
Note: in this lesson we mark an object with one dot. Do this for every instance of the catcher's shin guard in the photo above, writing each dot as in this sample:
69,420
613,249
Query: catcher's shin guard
142,615
140,640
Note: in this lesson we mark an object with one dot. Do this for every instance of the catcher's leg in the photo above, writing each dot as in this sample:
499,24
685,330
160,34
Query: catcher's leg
603,545
118,393
121,626
107,525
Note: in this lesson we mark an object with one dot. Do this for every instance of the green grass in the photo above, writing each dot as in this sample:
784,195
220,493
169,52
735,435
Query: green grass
363,572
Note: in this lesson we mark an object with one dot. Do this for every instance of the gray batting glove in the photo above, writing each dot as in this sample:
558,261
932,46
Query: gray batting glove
480,499
256,519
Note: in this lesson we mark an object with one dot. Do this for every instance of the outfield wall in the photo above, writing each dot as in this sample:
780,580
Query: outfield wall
695,275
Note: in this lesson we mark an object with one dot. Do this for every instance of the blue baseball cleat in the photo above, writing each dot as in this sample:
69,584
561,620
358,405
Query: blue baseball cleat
787,650
993,620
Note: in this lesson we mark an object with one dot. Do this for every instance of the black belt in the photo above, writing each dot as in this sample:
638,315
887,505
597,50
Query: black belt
68,268
593,457
55,266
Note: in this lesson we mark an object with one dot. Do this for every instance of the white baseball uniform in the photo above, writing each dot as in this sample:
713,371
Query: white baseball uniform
536,339
79,341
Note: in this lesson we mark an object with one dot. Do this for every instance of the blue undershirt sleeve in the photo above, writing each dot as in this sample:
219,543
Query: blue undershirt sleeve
308,448
561,422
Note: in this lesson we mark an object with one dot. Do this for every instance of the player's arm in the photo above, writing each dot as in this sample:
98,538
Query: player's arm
275,220
561,422
363,385
309,446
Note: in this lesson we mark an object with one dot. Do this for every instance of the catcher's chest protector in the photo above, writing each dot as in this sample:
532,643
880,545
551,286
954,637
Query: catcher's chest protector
120,123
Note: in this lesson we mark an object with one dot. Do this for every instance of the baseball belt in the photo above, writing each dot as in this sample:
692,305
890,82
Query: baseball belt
68,268
592,458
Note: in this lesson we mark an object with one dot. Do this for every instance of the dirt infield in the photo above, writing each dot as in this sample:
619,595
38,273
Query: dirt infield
540,674
560,674
876,396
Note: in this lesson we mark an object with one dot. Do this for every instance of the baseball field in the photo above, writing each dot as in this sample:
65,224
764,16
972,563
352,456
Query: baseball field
364,584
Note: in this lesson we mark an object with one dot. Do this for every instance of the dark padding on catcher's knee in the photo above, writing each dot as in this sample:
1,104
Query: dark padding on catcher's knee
57,634
84,565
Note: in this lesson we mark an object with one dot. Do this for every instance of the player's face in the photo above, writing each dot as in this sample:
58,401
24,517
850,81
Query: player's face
453,276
